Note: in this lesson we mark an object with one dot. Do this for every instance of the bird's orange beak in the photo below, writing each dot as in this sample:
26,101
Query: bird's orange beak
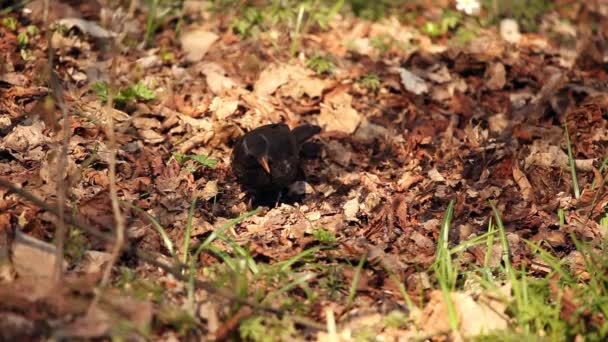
264,163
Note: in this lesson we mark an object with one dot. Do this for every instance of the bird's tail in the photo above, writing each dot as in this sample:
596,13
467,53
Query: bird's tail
305,132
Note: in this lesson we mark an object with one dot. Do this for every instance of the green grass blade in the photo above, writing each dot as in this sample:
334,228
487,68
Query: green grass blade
296,282
285,265
503,240
214,235
188,232
157,226
353,286
601,170
489,246
577,191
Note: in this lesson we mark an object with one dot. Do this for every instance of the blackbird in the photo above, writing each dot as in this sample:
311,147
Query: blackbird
267,160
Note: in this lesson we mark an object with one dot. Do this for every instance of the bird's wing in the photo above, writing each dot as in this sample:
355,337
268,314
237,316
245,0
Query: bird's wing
305,132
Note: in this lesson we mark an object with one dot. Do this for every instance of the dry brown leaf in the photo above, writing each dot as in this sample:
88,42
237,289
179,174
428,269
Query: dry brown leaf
522,181
223,108
475,318
546,155
498,123
435,176
33,257
412,83
276,75
217,80
151,136
351,208
209,191
25,138
196,43
337,114
496,76
309,86
93,261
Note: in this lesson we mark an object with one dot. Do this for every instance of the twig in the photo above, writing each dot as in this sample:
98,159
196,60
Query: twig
61,188
152,260
130,15
120,222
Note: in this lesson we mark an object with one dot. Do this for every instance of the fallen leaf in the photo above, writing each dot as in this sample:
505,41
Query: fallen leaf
524,184
216,77
309,86
337,114
223,108
412,82
25,138
93,261
496,76
498,123
435,176
33,257
276,75
435,318
210,190
546,155
351,208
196,43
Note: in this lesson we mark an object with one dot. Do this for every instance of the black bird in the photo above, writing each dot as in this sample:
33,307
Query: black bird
266,160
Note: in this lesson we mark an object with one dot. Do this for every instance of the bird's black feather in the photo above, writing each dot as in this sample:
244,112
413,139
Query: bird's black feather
280,146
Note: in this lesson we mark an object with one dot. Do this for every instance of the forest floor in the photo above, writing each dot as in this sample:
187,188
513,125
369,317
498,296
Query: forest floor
456,191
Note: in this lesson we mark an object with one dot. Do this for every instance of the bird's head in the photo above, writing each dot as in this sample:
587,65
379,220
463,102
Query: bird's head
256,148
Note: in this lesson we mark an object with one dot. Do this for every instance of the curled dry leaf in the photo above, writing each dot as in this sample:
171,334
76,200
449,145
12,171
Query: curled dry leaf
434,318
276,75
210,190
216,77
196,43
522,181
33,257
408,179
546,155
412,83
435,176
498,123
351,208
337,114
223,108
93,261
25,138
309,86
496,76
151,136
